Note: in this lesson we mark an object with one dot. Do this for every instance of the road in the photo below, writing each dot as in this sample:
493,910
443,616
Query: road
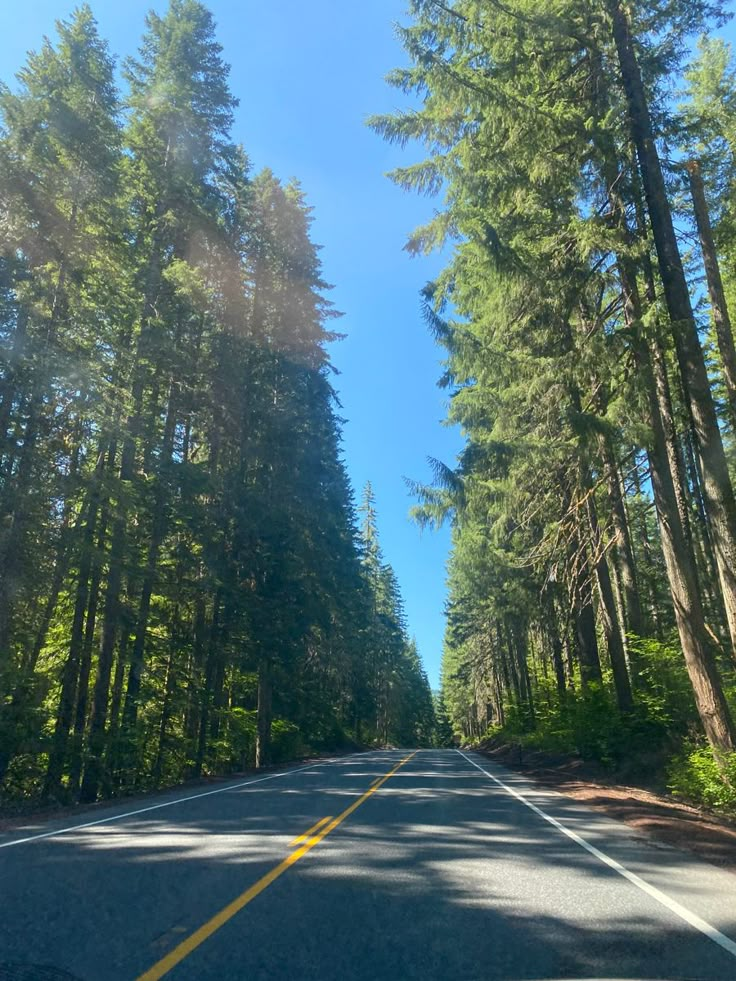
385,865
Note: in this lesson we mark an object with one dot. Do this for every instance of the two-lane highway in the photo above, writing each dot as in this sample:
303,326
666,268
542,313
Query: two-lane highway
398,865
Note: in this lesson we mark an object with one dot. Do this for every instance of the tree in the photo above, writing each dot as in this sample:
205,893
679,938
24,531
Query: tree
61,151
557,347
183,583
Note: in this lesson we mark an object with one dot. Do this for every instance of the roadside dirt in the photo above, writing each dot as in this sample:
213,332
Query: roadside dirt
656,815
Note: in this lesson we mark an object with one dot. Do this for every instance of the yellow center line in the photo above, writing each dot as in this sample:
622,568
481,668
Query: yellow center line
193,941
308,834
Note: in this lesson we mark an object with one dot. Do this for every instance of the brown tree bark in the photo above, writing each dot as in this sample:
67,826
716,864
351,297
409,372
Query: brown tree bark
158,531
206,693
85,664
624,549
587,641
70,672
607,612
113,606
8,385
718,305
677,550
111,622
167,709
716,481
648,572
553,633
265,715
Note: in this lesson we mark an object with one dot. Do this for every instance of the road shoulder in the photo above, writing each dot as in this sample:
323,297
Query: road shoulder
652,815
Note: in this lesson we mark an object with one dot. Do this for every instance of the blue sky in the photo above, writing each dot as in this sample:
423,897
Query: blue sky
307,75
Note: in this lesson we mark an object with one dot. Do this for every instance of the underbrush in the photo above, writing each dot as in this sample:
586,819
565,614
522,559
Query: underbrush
232,752
589,726
695,775
659,742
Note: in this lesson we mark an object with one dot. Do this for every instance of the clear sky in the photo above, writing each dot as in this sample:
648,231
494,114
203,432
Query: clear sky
308,73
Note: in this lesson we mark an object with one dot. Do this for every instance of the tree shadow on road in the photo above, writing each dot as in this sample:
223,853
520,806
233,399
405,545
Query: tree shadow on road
439,875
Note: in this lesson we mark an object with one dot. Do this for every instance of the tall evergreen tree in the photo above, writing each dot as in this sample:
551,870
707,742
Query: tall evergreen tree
558,346
182,584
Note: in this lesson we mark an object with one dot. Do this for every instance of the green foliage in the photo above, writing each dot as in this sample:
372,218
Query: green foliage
242,735
396,706
589,725
443,736
695,775
665,691
653,742
580,525
176,521
287,740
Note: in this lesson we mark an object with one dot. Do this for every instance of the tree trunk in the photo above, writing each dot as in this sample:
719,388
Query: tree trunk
265,715
556,648
111,767
23,692
13,515
196,674
8,385
61,567
609,618
158,531
624,549
85,664
503,665
166,711
702,542
718,305
513,665
522,655
70,673
13,522
716,481
587,641
709,697
112,609
111,622
655,600
678,556
674,452
206,694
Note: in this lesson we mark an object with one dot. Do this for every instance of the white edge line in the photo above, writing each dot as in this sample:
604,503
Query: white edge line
685,914
179,800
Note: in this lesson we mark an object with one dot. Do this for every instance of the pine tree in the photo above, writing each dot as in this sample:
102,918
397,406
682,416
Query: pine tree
558,346
183,586
61,150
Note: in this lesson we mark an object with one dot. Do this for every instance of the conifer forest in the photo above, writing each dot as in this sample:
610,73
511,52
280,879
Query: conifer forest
583,158
186,584
189,584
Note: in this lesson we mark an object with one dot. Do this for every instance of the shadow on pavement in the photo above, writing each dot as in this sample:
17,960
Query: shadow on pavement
439,875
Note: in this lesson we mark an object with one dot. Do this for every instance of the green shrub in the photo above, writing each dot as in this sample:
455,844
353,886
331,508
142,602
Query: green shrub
242,736
286,741
587,723
638,743
662,684
695,776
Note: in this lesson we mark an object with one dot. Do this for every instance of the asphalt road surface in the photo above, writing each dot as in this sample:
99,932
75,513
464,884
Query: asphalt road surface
384,865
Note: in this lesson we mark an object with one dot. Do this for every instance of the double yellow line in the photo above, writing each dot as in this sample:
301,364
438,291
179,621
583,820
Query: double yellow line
310,838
